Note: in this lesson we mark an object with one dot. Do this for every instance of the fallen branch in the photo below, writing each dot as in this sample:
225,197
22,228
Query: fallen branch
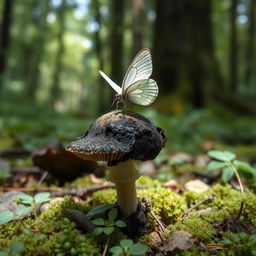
186,213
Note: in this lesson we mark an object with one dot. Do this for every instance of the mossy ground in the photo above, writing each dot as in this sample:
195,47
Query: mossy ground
53,234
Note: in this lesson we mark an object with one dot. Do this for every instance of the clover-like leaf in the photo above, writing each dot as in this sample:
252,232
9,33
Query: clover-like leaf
6,216
116,250
120,224
24,211
97,231
222,155
108,230
138,249
227,174
98,222
112,214
42,197
25,199
213,165
126,243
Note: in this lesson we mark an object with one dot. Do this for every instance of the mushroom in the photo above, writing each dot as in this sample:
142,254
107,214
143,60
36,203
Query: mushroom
119,138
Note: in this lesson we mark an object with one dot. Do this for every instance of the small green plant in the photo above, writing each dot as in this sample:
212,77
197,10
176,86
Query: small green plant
227,161
14,250
33,201
127,247
243,243
7,216
107,226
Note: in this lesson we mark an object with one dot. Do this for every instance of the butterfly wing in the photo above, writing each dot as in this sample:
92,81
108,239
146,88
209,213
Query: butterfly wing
140,69
116,87
142,92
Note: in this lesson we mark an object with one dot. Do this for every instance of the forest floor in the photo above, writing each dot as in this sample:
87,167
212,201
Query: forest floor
52,203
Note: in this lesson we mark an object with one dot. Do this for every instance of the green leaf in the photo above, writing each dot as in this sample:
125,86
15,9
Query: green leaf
24,211
25,199
126,243
252,238
138,249
120,224
5,217
4,252
253,252
227,174
213,165
245,167
42,197
116,250
98,222
112,214
108,230
226,241
100,209
16,248
97,231
222,155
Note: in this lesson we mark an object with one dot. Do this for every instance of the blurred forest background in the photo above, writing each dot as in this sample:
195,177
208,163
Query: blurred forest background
204,61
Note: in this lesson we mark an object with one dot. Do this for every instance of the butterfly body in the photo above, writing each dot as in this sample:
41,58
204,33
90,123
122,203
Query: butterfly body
136,87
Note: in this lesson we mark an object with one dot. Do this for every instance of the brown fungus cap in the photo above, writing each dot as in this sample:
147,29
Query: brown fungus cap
118,136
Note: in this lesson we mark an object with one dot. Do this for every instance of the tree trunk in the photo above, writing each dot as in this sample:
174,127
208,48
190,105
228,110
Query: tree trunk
233,47
249,49
116,39
99,55
55,89
137,26
5,27
183,53
37,48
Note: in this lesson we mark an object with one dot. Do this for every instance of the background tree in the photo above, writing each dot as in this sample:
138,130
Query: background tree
5,27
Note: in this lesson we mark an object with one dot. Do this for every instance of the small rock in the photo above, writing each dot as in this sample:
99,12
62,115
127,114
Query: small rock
182,157
196,186
7,203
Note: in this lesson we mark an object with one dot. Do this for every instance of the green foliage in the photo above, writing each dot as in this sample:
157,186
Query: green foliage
107,226
32,201
127,247
241,243
14,250
229,165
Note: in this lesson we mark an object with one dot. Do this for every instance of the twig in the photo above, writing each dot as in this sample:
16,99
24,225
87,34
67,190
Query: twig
185,214
42,178
57,192
106,246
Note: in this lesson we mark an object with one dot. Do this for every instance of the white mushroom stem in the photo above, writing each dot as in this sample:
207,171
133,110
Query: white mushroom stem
124,175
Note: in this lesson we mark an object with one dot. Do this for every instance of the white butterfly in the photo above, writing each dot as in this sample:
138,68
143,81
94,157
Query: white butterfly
136,87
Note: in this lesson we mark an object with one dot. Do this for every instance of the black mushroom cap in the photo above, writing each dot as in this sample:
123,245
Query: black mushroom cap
118,136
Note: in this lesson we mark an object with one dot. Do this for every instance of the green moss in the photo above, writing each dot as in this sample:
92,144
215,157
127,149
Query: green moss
107,196
145,181
197,226
166,204
227,201
66,240
58,208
